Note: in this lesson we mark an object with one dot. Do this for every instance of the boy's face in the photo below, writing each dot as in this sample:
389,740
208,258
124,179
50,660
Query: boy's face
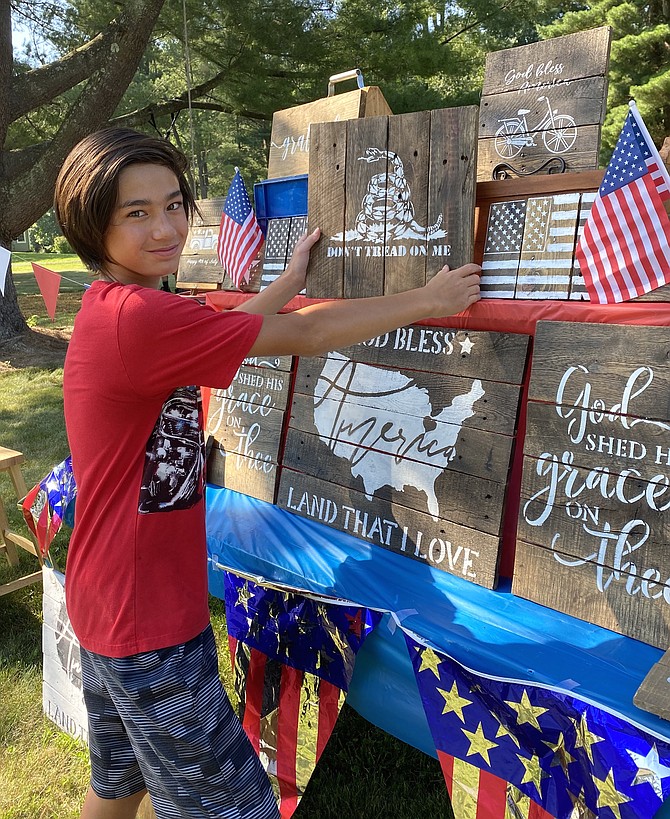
148,228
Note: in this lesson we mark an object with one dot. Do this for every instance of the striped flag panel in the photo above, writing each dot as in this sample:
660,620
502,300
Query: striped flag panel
478,794
578,291
548,247
502,249
282,235
293,657
276,250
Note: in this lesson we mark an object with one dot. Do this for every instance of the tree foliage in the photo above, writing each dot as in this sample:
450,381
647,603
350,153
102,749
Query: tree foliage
639,59
86,85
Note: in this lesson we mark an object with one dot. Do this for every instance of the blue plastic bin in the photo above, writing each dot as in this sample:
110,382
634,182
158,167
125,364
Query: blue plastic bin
280,198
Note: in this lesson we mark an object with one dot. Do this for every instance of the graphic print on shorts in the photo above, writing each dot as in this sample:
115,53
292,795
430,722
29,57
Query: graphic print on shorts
175,456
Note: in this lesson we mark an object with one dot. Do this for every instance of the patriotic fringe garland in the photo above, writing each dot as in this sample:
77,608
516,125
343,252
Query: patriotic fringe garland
508,749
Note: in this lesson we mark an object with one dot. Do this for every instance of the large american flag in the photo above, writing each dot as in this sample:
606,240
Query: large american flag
240,237
624,251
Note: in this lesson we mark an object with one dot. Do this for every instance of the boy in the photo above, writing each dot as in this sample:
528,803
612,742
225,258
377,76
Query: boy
159,718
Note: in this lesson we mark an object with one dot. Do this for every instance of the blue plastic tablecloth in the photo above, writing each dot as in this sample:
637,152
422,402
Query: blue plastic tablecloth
493,632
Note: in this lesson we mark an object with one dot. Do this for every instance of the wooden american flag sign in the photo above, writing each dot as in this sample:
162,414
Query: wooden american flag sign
502,250
548,247
282,235
529,250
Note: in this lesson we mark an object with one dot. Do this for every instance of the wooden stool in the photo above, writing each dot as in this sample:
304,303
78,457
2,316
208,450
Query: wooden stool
10,461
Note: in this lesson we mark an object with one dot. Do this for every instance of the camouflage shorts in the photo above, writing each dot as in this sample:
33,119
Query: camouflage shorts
161,720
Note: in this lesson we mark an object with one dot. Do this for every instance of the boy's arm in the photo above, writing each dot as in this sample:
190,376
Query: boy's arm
316,329
285,287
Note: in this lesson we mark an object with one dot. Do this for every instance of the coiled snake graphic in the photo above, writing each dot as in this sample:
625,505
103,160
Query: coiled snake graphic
387,211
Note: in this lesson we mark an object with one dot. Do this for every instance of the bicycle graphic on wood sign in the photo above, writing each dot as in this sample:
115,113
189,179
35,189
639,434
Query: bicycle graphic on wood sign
558,132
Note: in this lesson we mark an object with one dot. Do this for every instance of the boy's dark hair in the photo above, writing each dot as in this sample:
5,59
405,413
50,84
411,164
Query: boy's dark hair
88,183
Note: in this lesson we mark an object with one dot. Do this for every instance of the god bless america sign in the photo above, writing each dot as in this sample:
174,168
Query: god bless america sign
405,441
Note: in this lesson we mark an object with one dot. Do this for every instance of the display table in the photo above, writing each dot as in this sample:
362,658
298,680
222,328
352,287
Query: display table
493,632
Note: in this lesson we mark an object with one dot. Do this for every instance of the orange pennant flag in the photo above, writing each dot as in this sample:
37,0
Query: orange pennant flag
49,284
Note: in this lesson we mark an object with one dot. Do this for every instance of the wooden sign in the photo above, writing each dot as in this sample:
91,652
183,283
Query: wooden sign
394,198
593,525
291,128
544,101
62,695
529,252
280,241
245,423
653,695
199,265
578,291
405,441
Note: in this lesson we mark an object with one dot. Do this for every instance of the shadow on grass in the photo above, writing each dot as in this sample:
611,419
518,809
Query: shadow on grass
365,772
20,615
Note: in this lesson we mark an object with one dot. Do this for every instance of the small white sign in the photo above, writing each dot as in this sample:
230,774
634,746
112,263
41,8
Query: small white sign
5,256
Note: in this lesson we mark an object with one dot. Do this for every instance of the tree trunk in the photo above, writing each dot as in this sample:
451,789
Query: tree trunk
26,187
12,322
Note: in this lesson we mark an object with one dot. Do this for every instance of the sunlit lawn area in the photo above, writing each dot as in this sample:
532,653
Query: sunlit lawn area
72,285
43,773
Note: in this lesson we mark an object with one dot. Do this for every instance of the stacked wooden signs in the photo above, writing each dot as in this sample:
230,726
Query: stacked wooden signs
544,101
394,198
290,138
245,424
405,441
530,245
199,266
62,695
593,525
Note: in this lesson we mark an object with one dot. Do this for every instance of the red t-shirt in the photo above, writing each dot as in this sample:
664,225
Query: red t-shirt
136,575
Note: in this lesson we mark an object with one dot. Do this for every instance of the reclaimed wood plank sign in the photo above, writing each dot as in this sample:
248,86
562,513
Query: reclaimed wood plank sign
593,526
529,251
280,241
290,137
578,291
245,425
394,198
544,101
199,265
405,440
654,692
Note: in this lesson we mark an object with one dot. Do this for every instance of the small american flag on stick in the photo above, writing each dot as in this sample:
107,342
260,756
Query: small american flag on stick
624,251
240,237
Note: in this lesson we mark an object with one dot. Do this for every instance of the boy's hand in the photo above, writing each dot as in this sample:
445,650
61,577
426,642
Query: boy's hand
285,287
452,291
296,271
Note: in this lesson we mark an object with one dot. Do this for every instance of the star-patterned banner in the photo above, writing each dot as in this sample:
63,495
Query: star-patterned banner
536,748
293,657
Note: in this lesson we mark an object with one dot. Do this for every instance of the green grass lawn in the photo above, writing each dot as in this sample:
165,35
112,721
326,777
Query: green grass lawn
74,279
363,773
67,264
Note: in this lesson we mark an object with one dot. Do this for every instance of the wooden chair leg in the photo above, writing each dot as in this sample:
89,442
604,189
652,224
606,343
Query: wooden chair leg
7,546
9,540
